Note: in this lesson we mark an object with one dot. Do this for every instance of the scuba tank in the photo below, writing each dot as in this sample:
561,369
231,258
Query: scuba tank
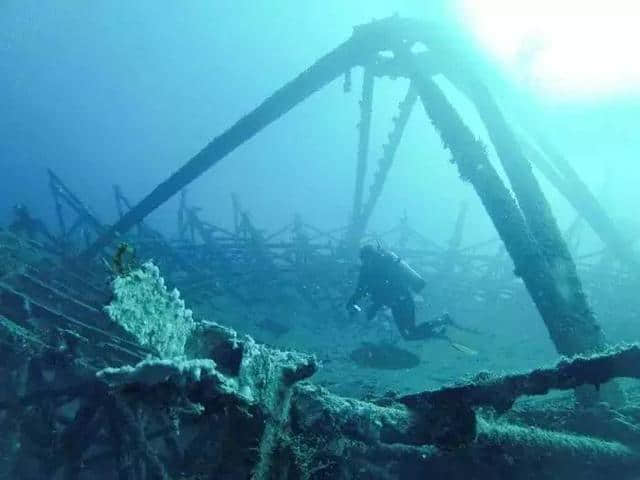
408,274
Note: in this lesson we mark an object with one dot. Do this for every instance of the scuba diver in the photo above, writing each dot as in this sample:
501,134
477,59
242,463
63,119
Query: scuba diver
389,281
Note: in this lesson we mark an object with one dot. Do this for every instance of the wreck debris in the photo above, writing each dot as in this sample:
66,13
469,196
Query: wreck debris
386,161
164,417
501,393
151,372
118,410
382,441
325,70
85,220
541,223
541,256
471,159
144,307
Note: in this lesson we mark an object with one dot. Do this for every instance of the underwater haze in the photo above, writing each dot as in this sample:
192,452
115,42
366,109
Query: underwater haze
136,90
319,239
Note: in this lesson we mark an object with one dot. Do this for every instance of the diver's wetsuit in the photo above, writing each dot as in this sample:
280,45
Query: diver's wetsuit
384,280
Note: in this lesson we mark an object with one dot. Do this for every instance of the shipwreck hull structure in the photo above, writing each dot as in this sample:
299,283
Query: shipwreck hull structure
527,228
86,398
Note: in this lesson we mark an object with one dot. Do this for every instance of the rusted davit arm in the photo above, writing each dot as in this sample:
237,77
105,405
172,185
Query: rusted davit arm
317,76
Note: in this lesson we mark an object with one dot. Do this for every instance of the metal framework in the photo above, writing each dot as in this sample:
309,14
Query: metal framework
527,228
52,323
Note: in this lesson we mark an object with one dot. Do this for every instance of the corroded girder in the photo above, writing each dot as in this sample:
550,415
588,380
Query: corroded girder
469,443
529,230
364,134
571,331
317,76
533,204
61,191
389,151
361,49
501,392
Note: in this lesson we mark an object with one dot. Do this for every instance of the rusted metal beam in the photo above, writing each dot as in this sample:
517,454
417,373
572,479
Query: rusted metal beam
571,331
361,49
364,134
74,203
325,70
533,204
389,151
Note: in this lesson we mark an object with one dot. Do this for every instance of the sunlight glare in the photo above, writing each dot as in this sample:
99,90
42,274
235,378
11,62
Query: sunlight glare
564,47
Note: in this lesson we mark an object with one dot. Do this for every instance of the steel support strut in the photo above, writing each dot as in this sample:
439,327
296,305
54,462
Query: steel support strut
314,78
364,130
570,331
389,151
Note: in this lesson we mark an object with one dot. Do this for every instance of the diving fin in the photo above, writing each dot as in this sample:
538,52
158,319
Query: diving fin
463,349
